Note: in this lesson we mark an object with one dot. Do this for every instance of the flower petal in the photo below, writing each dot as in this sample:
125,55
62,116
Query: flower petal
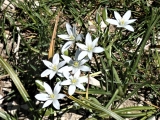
57,88
66,82
42,96
65,69
66,58
55,59
83,79
127,15
64,37
129,27
61,64
52,74
98,49
78,37
56,104
77,53
74,30
85,68
112,21
71,89
74,70
88,40
84,61
77,74
82,46
69,29
46,72
66,46
90,54
82,55
47,103
95,42
60,96
47,63
117,16
130,21
80,86
47,88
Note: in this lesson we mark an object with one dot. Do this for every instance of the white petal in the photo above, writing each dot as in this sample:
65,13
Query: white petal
78,37
98,49
112,21
46,72
95,42
65,69
60,96
74,70
47,88
66,82
84,61
74,30
131,21
42,97
80,86
64,37
90,54
52,74
66,46
61,64
56,104
88,40
57,88
85,68
127,15
69,29
130,28
82,46
77,53
117,16
77,74
66,58
47,103
82,55
47,63
83,79
71,89
55,59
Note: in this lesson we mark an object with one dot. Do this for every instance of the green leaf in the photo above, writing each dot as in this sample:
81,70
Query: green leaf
6,116
17,82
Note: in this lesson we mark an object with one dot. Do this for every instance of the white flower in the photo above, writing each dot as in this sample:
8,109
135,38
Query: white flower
51,97
73,82
53,67
122,21
76,65
71,37
89,48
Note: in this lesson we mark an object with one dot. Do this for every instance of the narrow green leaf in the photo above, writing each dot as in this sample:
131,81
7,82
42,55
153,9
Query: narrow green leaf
17,82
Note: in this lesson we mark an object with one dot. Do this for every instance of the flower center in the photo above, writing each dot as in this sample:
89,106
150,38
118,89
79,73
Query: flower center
52,96
54,67
71,37
122,22
74,81
76,64
90,48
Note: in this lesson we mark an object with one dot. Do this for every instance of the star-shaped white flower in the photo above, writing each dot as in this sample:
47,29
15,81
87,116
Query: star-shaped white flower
76,65
71,37
73,82
122,21
51,97
54,67
89,48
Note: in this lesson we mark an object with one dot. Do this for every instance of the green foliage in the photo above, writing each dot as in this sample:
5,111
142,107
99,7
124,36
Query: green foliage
124,71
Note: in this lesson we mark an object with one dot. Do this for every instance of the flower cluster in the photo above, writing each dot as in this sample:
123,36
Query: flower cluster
69,69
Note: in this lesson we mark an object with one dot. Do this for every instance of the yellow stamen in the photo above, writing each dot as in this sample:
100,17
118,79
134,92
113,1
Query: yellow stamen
71,37
76,64
73,81
52,96
55,67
